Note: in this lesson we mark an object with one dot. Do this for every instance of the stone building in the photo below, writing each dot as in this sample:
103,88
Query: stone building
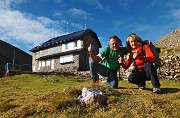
67,53
14,57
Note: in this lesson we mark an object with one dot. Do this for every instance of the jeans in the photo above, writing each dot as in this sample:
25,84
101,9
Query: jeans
149,73
96,68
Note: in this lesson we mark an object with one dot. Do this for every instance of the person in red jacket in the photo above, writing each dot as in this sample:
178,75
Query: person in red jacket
143,61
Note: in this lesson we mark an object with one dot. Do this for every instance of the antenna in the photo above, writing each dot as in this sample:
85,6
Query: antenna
67,27
85,26
54,32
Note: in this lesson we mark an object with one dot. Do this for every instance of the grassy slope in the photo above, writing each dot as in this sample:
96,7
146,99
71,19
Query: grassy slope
39,96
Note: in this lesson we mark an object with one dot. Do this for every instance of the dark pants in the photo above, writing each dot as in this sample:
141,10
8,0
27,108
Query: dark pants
96,68
149,73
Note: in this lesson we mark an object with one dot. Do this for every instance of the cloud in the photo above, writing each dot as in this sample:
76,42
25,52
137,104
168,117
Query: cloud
175,14
18,27
172,10
172,6
73,12
58,14
77,25
97,4
172,3
103,41
140,27
93,3
7,4
117,24
126,4
24,29
78,13
59,1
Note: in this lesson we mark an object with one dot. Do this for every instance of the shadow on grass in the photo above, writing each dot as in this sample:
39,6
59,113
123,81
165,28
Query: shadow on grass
166,90
169,90
163,90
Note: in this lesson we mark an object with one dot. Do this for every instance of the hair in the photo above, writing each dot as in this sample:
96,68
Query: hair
115,37
134,36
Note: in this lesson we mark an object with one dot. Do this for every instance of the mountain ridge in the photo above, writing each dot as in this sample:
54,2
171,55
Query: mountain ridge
170,40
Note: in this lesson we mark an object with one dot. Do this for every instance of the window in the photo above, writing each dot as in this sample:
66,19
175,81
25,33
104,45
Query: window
48,62
39,63
66,45
53,50
40,53
52,64
43,63
75,43
66,59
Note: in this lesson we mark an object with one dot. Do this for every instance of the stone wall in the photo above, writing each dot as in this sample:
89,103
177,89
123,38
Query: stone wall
171,68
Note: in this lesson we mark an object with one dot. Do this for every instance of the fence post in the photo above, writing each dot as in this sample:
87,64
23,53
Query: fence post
7,69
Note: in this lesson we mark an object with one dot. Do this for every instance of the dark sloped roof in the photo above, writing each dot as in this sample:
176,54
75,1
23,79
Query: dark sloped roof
66,38
13,47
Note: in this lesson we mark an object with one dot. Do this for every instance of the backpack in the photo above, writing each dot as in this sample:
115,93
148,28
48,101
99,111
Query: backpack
156,52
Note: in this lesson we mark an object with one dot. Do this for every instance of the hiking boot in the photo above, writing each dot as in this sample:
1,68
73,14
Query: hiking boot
157,90
104,81
95,81
141,87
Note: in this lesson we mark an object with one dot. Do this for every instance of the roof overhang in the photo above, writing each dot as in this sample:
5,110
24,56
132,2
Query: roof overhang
59,54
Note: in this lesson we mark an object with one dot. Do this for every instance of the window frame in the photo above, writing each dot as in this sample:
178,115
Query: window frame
66,59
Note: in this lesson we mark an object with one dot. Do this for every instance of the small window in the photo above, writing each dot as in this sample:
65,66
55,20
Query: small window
66,46
53,50
40,53
43,63
52,63
48,62
66,59
75,43
40,64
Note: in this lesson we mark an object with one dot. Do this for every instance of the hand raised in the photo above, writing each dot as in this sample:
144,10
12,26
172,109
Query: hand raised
135,55
120,59
90,48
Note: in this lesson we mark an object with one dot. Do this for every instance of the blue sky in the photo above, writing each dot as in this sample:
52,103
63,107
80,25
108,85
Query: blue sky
28,23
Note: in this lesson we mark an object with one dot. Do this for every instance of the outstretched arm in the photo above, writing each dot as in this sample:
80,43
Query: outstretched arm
126,64
92,55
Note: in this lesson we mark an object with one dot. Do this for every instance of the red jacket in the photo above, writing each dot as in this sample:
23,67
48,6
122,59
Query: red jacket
142,57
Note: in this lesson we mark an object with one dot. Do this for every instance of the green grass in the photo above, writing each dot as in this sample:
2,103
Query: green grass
35,96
